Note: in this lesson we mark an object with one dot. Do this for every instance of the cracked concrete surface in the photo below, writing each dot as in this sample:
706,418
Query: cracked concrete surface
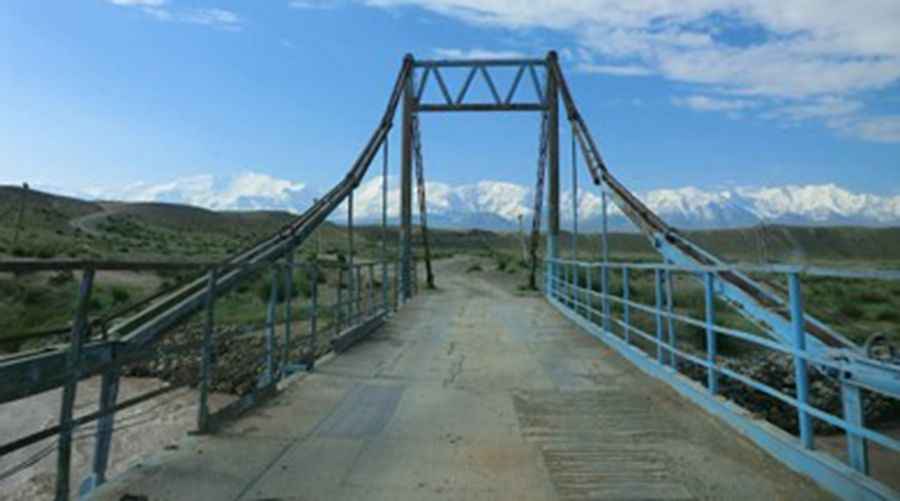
475,392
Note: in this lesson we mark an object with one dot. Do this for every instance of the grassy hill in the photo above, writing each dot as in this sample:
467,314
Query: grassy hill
35,224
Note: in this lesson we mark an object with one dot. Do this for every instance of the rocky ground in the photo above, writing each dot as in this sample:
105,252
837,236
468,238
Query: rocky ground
777,371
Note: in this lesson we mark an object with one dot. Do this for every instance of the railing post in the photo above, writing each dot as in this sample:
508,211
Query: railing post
73,373
289,296
371,285
350,258
670,309
207,356
548,287
800,373
357,299
604,284
384,207
589,296
657,278
574,288
313,316
857,446
270,328
626,310
712,377
339,311
396,287
109,392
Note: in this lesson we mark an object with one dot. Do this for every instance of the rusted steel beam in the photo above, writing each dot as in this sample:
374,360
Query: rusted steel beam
35,265
431,63
480,107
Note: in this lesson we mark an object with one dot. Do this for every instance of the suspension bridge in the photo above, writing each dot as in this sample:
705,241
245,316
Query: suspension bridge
473,390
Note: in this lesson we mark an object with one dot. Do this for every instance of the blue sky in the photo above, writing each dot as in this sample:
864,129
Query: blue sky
677,93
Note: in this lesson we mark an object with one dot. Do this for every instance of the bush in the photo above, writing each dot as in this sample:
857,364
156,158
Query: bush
63,277
852,311
473,268
95,304
300,286
888,315
872,297
120,295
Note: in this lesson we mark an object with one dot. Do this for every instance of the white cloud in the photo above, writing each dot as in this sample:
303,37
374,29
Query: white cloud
476,54
878,129
825,107
139,3
789,52
706,103
807,47
161,11
624,70
312,4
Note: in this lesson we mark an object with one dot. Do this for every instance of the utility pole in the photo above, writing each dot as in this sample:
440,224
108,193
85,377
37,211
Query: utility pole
522,240
22,200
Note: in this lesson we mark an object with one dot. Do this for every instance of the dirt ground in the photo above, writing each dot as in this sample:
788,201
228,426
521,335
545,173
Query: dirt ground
141,430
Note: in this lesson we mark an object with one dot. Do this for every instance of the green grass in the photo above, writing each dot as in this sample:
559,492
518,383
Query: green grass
165,231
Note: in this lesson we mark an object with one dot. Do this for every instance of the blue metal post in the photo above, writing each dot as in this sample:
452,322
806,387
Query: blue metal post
657,276
339,310
604,283
73,374
207,357
396,286
313,315
800,372
384,208
589,294
574,199
289,294
270,330
670,309
857,447
350,278
357,305
370,302
108,393
626,310
712,378
604,237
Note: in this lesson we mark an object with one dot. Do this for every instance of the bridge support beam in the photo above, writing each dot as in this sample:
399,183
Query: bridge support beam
552,162
406,165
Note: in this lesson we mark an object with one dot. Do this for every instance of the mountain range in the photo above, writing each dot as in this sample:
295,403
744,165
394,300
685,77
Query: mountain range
497,205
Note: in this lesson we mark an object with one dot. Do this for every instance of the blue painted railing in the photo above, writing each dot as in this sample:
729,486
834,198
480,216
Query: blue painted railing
569,286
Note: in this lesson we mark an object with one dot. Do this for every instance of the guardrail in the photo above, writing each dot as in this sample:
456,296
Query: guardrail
646,333
245,361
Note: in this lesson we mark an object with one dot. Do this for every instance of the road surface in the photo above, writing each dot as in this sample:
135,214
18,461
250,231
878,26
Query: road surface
474,392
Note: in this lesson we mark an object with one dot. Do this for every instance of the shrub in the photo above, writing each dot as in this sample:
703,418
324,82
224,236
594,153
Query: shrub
300,286
873,297
95,304
120,295
852,311
63,277
473,268
888,315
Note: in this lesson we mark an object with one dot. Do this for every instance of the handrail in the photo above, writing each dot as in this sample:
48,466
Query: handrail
24,374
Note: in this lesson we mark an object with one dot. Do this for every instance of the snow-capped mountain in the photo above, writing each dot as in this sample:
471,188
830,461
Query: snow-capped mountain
498,205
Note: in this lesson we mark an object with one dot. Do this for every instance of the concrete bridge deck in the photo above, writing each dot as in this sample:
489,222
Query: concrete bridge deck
471,392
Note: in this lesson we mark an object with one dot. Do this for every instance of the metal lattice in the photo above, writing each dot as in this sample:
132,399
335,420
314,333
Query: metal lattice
539,197
420,188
